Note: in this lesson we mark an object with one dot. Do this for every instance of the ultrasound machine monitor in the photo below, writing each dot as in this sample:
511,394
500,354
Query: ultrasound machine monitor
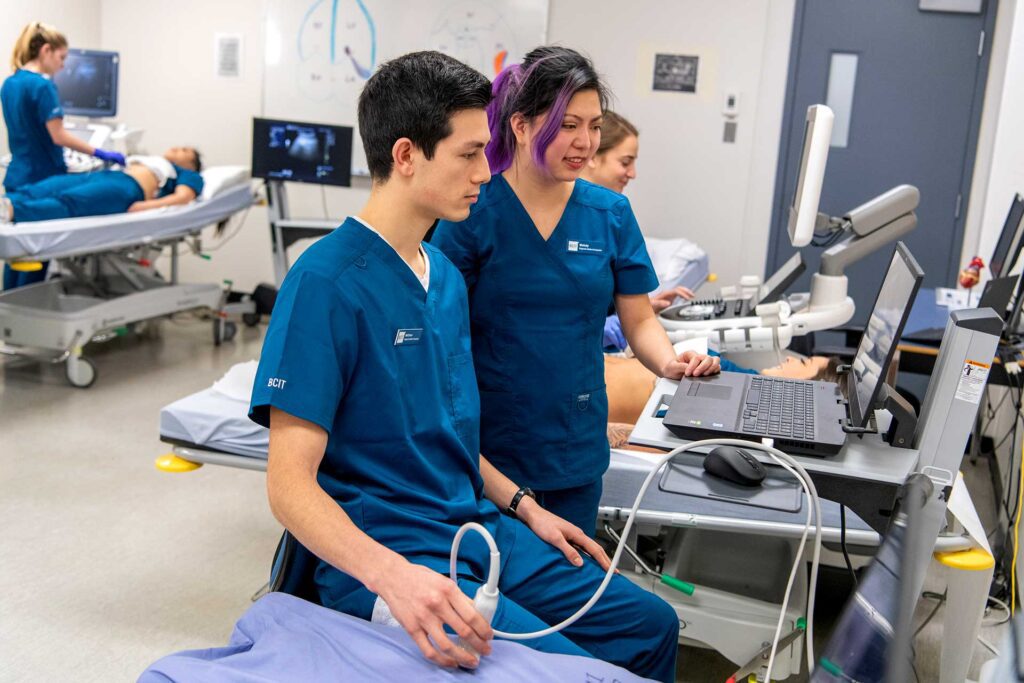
803,209
717,309
997,294
802,416
87,85
301,152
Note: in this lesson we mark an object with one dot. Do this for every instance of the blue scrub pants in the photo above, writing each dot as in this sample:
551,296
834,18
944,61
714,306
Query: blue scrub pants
69,196
73,195
628,626
577,505
14,279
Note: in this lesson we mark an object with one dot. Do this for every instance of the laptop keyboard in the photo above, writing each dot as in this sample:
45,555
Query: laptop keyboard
779,408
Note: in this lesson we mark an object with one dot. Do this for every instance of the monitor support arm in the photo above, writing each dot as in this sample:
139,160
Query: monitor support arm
872,225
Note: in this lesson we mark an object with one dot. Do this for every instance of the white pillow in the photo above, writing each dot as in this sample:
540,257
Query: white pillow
217,179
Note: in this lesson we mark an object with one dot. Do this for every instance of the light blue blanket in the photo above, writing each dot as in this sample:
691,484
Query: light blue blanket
283,638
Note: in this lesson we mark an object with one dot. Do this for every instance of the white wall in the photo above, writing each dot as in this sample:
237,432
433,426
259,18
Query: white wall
690,183
169,88
999,171
79,21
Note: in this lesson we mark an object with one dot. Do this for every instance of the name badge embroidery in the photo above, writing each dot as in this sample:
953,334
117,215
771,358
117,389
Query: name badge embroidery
408,336
581,247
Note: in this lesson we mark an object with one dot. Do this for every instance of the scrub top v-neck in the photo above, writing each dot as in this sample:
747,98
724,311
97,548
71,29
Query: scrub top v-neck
537,309
357,346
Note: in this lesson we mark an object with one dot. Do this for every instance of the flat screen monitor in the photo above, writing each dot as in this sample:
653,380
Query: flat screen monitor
87,85
302,152
997,295
803,209
1008,248
882,333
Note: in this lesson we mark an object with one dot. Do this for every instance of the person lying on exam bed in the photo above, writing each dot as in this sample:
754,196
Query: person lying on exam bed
146,182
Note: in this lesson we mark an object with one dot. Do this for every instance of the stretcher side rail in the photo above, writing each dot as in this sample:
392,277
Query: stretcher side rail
109,283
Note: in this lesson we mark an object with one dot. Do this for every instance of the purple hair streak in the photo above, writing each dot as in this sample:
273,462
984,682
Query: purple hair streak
543,84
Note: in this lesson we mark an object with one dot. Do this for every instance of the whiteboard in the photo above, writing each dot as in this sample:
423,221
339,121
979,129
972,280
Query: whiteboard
319,53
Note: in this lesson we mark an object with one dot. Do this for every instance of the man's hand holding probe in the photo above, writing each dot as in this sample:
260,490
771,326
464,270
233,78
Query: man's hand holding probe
423,602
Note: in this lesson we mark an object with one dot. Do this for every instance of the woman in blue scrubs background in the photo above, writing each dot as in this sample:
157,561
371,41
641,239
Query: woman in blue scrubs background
544,254
35,120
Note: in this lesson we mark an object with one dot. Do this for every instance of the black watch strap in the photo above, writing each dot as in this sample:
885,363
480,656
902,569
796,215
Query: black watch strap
516,499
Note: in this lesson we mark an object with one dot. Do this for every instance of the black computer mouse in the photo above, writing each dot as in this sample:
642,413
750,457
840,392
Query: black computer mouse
735,465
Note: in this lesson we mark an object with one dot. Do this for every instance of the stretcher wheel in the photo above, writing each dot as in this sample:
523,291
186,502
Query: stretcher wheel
223,331
251,319
80,371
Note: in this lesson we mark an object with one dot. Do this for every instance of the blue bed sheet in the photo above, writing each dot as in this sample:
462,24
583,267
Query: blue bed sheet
283,638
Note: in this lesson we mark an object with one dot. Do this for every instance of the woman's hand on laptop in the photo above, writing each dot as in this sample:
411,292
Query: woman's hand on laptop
691,364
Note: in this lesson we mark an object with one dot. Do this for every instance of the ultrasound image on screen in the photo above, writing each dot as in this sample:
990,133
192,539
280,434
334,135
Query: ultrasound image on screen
87,85
301,152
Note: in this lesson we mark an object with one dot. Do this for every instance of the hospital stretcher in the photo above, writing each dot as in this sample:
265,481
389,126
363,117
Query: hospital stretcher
108,278
734,610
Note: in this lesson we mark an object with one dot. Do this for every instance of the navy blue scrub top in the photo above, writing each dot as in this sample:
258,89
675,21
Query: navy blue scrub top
537,311
186,177
358,347
29,100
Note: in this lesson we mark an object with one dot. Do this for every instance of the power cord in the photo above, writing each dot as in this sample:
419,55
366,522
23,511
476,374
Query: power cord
842,543
487,595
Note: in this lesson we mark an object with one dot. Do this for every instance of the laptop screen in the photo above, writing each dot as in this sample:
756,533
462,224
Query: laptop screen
883,331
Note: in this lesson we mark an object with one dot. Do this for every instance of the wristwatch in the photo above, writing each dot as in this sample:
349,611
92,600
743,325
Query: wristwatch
516,499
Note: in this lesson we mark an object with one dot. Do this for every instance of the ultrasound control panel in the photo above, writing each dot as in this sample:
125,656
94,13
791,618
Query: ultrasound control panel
705,309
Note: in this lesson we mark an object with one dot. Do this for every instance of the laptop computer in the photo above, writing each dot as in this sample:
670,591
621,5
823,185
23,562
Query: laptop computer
717,308
803,416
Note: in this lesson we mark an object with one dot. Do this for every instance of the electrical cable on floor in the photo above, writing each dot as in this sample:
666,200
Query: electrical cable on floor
938,605
988,646
842,543
1016,423
1016,537
1003,606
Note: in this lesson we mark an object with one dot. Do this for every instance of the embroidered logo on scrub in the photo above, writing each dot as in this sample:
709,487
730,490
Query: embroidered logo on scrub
409,336
582,402
581,247
276,383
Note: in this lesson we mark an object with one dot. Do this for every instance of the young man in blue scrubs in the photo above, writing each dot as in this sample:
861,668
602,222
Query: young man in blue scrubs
366,381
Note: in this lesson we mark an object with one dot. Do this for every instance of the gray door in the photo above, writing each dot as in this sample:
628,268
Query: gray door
917,82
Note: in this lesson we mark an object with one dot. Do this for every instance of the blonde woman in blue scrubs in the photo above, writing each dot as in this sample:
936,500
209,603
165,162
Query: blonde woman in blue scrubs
35,119
544,254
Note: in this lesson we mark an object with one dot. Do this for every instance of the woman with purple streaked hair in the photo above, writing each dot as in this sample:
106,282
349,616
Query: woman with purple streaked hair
544,254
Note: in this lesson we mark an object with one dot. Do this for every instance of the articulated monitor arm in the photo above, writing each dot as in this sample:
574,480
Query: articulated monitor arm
872,225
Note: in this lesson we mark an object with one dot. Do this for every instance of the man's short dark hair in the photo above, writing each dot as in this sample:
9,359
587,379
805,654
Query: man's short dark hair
198,161
414,96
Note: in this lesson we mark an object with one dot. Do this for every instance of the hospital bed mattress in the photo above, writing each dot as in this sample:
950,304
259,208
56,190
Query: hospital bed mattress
75,236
